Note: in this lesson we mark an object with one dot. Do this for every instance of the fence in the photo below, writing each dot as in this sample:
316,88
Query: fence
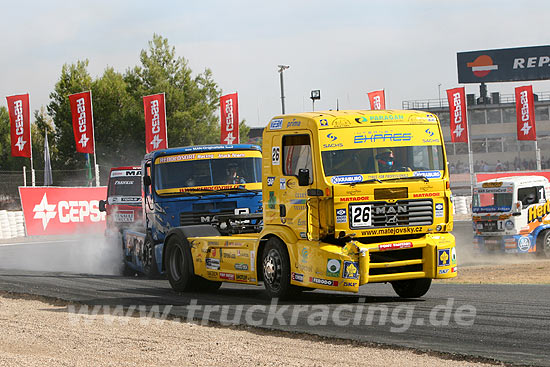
11,180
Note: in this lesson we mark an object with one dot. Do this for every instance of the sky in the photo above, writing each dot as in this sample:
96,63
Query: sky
343,48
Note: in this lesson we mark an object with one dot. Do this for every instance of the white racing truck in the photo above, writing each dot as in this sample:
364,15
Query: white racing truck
512,215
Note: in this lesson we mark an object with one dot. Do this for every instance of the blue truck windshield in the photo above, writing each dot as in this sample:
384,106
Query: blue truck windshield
206,172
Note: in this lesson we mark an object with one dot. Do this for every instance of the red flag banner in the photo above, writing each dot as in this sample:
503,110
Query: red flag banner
83,124
229,105
525,113
62,210
457,111
377,100
156,136
18,107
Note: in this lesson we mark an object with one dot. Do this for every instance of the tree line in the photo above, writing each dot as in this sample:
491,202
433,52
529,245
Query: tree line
192,106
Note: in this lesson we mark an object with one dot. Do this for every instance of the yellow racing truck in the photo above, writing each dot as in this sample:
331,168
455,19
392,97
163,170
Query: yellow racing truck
349,198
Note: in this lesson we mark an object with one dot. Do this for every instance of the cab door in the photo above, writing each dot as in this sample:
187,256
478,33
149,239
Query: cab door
298,209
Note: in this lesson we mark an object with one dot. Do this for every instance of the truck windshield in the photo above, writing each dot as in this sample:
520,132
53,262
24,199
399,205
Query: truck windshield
216,173
491,202
125,186
427,159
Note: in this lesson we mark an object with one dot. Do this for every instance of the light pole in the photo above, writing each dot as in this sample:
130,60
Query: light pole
315,95
281,69
439,93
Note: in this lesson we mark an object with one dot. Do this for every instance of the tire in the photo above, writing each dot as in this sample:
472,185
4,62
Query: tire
276,270
150,267
411,288
178,265
543,244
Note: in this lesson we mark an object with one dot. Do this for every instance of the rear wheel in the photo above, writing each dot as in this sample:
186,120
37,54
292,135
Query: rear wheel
411,288
178,265
543,244
276,270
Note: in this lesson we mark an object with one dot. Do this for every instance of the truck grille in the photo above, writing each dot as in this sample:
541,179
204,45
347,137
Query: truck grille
207,212
402,213
201,217
488,226
388,258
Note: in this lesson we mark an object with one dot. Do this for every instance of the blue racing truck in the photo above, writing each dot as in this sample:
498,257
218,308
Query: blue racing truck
210,184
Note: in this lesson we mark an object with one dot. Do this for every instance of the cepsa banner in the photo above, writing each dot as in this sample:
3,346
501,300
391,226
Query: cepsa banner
525,113
83,126
62,210
457,111
229,119
377,100
18,107
155,122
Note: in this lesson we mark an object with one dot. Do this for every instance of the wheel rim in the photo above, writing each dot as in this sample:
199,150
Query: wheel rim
273,269
176,263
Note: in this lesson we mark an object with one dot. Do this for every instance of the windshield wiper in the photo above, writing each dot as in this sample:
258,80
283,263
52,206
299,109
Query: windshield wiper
423,178
193,192
365,181
241,188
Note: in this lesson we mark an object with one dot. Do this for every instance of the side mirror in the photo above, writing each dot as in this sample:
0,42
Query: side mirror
516,208
102,205
146,181
303,177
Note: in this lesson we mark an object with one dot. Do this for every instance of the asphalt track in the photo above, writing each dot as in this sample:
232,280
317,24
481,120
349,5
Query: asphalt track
511,322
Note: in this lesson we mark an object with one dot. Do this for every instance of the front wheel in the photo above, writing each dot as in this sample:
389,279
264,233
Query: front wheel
178,265
276,269
411,288
543,244
150,266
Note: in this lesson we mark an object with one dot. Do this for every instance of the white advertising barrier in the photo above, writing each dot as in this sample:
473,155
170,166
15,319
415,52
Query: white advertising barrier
62,210
462,205
11,224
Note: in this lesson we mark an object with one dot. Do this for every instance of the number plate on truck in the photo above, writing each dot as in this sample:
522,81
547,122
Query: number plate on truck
360,216
124,217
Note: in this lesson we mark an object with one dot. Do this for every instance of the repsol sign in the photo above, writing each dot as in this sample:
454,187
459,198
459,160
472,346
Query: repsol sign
504,65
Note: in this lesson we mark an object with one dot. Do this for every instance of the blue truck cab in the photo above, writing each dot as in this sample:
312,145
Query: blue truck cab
209,184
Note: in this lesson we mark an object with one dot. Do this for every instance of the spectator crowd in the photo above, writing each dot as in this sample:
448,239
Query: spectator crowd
483,166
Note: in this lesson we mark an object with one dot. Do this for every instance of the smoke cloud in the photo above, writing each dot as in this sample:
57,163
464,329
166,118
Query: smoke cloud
82,254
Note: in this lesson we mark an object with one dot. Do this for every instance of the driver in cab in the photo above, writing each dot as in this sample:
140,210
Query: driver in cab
232,176
386,160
